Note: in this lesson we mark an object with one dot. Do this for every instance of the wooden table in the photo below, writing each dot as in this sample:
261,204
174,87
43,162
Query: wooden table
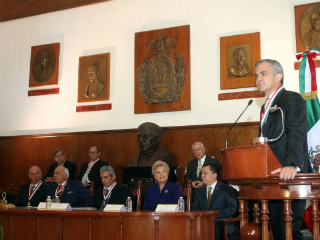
58,225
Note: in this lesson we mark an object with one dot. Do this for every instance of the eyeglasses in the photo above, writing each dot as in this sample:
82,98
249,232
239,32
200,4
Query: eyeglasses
196,150
93,152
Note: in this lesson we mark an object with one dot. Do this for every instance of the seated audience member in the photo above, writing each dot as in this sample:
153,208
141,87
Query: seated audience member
111,192
59,157
194,166
72,192
163,192
33,193
90,170
215,196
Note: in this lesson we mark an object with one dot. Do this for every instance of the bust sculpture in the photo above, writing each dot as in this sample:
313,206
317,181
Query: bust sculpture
149,137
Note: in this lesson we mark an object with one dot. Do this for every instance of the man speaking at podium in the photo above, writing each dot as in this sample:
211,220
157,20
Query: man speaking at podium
291,148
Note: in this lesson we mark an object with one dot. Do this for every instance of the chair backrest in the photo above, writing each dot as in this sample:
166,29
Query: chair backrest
137,193
187,192
12,193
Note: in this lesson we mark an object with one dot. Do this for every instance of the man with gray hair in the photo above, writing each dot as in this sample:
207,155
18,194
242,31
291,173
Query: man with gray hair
33,193
59,157
90,170
291,148
195,166
111,192
72,192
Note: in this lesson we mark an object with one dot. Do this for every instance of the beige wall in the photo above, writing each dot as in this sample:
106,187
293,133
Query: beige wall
110,27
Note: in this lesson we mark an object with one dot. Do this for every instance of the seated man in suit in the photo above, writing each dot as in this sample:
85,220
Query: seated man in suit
215,196
72,192
59,157
33,193
111,192
194,166
90,170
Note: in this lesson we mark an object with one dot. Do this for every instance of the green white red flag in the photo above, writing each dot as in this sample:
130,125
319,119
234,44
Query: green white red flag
308,90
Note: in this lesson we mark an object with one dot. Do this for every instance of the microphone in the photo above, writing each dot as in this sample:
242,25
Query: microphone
249,103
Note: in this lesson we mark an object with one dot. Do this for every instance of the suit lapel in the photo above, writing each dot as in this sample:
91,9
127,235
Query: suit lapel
113,192
275,102
66,189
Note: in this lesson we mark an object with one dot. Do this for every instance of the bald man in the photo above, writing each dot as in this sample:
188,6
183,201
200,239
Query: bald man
33,193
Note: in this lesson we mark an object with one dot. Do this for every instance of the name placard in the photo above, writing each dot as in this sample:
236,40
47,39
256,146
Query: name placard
60,206
42,206
114,208
167,208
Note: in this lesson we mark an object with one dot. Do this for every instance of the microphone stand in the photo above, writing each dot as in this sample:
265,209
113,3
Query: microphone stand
249,103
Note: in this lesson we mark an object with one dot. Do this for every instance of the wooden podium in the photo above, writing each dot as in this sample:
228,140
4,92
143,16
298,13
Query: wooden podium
249,167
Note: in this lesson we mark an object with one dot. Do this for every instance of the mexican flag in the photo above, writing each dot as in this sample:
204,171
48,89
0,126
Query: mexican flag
308,90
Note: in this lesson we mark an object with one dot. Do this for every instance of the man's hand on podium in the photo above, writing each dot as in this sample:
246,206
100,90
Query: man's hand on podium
286,173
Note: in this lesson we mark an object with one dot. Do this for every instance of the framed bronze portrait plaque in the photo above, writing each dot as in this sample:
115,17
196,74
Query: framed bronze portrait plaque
307,25
238,54
94,78
44,65
162,70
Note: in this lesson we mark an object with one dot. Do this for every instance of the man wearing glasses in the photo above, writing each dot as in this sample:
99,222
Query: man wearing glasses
195,166
90,170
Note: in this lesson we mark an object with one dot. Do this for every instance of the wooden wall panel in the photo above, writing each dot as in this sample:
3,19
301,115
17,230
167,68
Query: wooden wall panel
21,152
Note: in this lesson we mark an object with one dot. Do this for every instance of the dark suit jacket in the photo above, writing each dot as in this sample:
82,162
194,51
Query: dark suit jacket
94,174
223,199
74,193
292,147
170,194
39,196
70,165
192,169
119,195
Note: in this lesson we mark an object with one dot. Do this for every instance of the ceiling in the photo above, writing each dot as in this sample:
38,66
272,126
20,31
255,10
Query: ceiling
14,9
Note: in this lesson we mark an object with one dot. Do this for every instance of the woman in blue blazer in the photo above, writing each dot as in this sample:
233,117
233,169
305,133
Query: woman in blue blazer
163,192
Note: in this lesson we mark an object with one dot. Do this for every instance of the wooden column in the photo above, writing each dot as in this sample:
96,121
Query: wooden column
287,218
121,227
190,227
156,228
264,219
315,218
256,213
243,213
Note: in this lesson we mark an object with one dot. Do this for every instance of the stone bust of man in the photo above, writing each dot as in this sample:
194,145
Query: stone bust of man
149,137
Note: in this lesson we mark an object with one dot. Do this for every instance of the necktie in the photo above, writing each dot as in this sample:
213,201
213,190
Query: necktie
32,188
199,168
209,195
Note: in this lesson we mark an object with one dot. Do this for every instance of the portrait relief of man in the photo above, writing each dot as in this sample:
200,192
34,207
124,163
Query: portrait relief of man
43,65
93,78
94,86
239,61
310,27
239,67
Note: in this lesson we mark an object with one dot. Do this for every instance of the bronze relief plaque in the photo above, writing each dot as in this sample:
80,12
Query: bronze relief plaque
310,27
94,74
238,55
240,60
161,80
162,76
44,65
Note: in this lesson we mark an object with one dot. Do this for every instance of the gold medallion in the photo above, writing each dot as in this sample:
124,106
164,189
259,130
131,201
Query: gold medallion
29,203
